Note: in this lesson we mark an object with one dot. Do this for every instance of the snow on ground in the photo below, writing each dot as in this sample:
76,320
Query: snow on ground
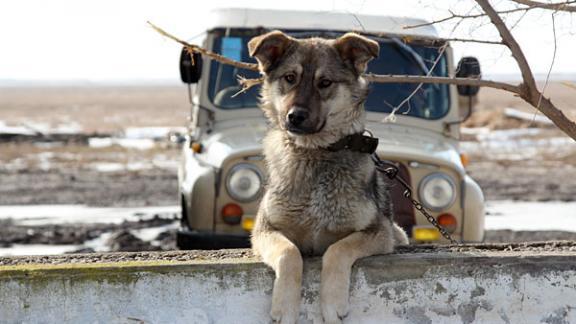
512,215
67,214
37,249
515,144
33,128
142,138
531,216
156,133
132,143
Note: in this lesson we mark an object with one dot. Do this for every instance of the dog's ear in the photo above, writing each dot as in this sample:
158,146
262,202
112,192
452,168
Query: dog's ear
269,48
356,50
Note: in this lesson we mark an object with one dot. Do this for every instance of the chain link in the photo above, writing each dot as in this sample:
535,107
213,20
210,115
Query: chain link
390,169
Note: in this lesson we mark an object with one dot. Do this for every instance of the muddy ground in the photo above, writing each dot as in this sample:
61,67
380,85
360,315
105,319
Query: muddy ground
41,170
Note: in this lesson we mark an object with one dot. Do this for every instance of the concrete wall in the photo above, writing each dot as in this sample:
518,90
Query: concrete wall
439,287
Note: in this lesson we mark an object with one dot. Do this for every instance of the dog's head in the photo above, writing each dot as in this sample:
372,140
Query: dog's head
313,88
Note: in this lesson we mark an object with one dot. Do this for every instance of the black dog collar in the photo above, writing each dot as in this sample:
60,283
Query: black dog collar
357,142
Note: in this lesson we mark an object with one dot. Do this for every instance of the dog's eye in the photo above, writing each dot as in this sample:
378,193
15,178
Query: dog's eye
325,83
290,78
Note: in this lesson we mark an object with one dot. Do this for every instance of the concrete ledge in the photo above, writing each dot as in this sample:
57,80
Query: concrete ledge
529,283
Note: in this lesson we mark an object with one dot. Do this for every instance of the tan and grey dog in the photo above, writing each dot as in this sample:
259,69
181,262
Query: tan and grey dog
318,201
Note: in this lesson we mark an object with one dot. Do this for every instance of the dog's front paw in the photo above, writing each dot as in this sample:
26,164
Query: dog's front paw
334,309
284,314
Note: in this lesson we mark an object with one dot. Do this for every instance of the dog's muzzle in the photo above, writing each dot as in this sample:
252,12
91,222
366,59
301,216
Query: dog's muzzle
298,122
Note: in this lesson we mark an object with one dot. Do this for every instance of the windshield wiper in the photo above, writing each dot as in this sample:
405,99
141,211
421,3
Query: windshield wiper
412,54
406,49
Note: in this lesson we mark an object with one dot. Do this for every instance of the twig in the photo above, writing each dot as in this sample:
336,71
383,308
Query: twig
528,89
562,6
247,84
549,70
551,63
197,49
457,16
559,6
440,80
510,42
392,116
469,40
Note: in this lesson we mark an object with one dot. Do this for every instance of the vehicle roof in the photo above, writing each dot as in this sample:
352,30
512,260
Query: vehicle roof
319,20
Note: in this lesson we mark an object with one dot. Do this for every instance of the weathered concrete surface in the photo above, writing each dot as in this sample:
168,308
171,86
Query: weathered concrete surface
476,284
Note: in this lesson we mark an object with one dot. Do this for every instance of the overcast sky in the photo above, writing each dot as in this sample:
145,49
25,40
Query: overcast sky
108,40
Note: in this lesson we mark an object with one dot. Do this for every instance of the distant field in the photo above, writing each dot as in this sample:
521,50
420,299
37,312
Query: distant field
111,109
101,109
528,166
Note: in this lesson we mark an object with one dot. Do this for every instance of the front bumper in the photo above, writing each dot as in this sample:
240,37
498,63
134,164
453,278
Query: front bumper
192,240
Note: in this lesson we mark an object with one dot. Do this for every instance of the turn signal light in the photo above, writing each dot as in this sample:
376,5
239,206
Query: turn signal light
248,224
464,159
232,214
448,221
196,147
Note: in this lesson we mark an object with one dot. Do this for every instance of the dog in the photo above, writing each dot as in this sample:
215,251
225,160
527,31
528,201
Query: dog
318,201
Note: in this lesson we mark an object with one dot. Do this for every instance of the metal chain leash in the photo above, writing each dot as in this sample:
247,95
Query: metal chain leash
390,169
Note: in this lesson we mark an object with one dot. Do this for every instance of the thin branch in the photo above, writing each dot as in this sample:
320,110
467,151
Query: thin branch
551,64
392,116
197,49
389,78
247,84
470,40
528,89
510,42
559,6
458,16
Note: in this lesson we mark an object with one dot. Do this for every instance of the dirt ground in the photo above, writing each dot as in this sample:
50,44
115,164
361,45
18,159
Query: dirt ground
45,171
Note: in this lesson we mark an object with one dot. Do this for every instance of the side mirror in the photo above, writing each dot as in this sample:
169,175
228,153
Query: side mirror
468,67
190,73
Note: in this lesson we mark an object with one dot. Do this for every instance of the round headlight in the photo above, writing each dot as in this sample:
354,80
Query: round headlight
244,182
437,191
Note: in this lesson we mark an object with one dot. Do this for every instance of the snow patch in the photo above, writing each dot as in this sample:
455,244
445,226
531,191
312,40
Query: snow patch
37,249
515,144
33,215
531,216
156,133
133,143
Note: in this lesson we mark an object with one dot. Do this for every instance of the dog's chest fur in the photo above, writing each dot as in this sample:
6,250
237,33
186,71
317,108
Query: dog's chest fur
316,197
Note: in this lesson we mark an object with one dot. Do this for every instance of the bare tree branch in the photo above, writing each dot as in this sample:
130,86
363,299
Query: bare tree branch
510,42
559,6
197,49
470,40
459,16
528,89
551,63
441,80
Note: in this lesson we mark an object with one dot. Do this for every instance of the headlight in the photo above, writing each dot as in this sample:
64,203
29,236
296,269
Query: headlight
244,182
437,191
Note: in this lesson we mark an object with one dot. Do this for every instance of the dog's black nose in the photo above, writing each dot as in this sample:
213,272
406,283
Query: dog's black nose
296,116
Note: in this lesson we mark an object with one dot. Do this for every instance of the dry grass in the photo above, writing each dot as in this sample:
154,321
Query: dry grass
491,104
96,109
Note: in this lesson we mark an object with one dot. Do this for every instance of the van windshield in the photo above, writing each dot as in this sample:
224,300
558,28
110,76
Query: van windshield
430,101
